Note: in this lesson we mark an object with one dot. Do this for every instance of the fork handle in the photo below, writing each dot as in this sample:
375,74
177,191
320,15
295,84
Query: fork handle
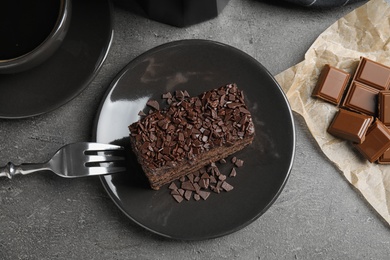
10,170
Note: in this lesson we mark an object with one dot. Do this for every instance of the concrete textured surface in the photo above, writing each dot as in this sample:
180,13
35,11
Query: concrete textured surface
317,216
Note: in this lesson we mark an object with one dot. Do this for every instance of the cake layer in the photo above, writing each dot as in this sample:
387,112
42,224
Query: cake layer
191,133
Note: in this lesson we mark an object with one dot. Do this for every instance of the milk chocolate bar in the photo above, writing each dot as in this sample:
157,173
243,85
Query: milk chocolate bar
331,84
191,133
350,125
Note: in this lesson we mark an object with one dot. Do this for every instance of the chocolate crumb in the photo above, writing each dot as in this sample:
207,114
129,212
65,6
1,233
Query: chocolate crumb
141,113
201,183
196,187
175,192
187,194
179,94
191,177
204,194
153,104
222,177
226,186
196,197
172,186
178,198
181,192
212,179
222,161
239,163
187,185
204,183
167,95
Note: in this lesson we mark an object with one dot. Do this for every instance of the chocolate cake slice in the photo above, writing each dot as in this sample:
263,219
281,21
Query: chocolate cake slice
191,133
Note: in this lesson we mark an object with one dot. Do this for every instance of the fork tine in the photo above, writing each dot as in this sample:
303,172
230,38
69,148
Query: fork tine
105,170
102,158
103,147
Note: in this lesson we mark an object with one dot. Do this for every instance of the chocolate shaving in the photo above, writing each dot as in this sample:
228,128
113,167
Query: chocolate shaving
153,104
178,198
226,186
167,95
201,183
172,186
141,113
204,194
187,194
196,197
239,163
233,173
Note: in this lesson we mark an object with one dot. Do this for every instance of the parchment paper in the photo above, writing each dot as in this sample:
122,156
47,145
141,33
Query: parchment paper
363,32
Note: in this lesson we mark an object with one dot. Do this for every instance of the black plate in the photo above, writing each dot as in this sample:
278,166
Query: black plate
71,68
198,66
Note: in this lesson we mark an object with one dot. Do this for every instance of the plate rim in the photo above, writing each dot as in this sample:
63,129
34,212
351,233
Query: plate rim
171,44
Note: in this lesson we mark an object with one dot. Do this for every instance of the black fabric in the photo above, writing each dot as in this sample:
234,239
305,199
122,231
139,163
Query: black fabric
323,3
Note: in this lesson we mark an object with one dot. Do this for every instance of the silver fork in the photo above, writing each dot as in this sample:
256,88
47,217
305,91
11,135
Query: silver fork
74,160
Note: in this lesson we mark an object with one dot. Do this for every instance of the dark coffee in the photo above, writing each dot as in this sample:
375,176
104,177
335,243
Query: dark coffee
25,24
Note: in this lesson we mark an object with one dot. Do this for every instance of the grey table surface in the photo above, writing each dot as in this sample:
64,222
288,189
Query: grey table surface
318,215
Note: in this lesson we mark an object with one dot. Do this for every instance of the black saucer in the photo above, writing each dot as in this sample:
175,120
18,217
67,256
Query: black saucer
69,71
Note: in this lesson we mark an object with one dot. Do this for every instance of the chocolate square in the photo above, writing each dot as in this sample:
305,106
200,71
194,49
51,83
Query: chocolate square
385,157
350,125
362,98
331,84
377,141
384,107
373,74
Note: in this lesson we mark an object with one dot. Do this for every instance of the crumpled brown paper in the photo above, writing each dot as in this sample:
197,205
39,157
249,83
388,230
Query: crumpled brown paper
363,32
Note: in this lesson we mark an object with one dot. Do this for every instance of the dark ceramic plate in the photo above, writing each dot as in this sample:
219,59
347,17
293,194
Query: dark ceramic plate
65,74
198,66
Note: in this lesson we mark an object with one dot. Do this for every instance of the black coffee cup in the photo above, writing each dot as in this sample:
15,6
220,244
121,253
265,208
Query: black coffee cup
31,31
